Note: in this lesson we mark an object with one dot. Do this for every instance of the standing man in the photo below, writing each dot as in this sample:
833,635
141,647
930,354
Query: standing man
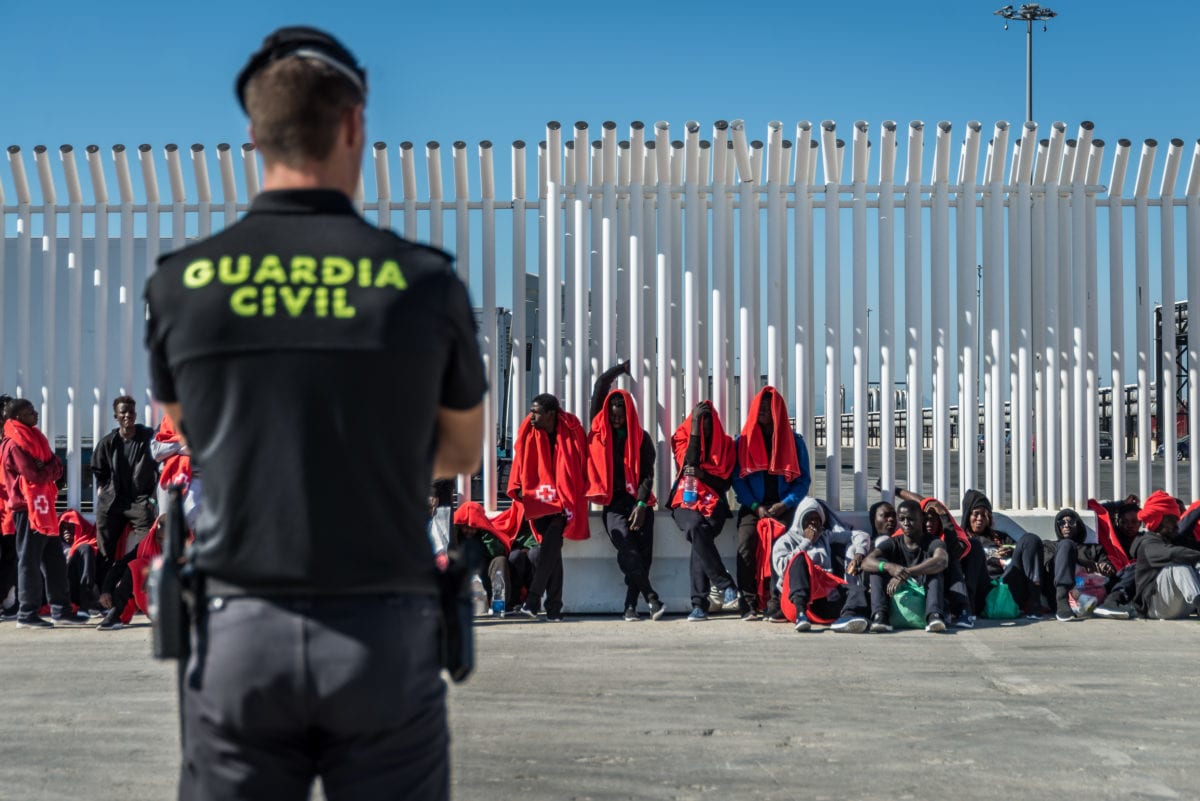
126,479
323,372
620,472
30,472
547,479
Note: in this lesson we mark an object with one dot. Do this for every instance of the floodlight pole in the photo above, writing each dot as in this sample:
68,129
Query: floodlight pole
1029,13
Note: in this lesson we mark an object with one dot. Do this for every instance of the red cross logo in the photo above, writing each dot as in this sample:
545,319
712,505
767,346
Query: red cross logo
546,493
628,487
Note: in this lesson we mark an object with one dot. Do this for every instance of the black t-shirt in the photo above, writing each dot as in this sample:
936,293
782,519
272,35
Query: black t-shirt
310,352
894,549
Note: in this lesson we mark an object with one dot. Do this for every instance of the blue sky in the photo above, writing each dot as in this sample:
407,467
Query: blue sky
136,72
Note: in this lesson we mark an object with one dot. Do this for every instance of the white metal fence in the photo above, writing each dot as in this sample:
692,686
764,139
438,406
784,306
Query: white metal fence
704,260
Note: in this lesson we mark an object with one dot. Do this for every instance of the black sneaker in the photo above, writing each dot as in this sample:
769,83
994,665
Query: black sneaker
935,624
557,617
631,614
657,608
10,613
111,622
746,609
880,624
34,622
73,619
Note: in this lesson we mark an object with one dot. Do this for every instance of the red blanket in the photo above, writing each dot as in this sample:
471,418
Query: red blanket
41,496
769,529
549,483
83,532
752,448
821,583
503,526
7,527
716,459
600,455
1108,536
176,469
139,567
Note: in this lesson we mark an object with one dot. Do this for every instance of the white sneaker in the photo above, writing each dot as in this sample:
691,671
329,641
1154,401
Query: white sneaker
935,624
803,623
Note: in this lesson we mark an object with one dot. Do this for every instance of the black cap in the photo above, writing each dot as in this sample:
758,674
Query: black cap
305,42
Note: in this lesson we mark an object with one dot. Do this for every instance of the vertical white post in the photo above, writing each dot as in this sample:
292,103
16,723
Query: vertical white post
802,290
662,263
747,270
776,254
1049,446
914,305
24,273
722,299
638,367
693,212
993,317
520,336
491,353
939,311
1066,443
621,250
383,185
1020,264
250,171
580,207
1116,313
49,271
433,169
1141,255
833,316
1168,380
675,271
609,312
462,261
1078,313
125,290
1092,340
408,186
968,315
541,378
75,314
552,301
858,178
887,309
704,361
154,243
1192,195
100,253
3,248
1038,311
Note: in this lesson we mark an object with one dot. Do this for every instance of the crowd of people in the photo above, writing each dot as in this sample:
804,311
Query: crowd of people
65,570
796,560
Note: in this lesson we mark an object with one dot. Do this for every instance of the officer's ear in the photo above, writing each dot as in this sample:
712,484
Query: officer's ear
353,129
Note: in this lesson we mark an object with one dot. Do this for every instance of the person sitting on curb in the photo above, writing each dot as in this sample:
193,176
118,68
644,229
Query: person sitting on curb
820,562
1117,527
1017,562
495,536
620,475
1067,558
704,458
917,555
770,479
1168,586
882,515
964,557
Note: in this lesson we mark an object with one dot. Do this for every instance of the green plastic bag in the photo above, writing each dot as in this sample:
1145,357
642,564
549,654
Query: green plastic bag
1000,604
907,606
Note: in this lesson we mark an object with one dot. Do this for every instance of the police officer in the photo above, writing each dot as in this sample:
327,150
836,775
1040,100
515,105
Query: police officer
323,371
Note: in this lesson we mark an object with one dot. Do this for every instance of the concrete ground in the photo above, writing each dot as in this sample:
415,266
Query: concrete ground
596,708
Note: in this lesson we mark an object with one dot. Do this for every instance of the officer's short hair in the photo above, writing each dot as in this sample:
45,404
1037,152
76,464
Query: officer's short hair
295,105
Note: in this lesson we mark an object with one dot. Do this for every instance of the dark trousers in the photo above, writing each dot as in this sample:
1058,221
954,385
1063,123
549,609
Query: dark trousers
747,554
958,595
1026,573
547,564
278,692
846,599
975,575
635,552
83,577
1122,587
935,593
706,567
8,565
113,514
40,560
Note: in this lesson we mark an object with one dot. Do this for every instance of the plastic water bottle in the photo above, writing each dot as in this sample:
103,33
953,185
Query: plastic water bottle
498,595
1079,583
478,595
690,493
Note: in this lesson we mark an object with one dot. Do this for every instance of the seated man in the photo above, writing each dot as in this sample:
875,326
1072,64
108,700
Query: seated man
962,557
704,459
620,475
883,520
820,561
1067,558
83,565
1117,527
1168,586
770,479
995,554
916,554
495,537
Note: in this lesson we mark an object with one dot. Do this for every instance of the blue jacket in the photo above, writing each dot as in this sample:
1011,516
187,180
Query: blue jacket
749,490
